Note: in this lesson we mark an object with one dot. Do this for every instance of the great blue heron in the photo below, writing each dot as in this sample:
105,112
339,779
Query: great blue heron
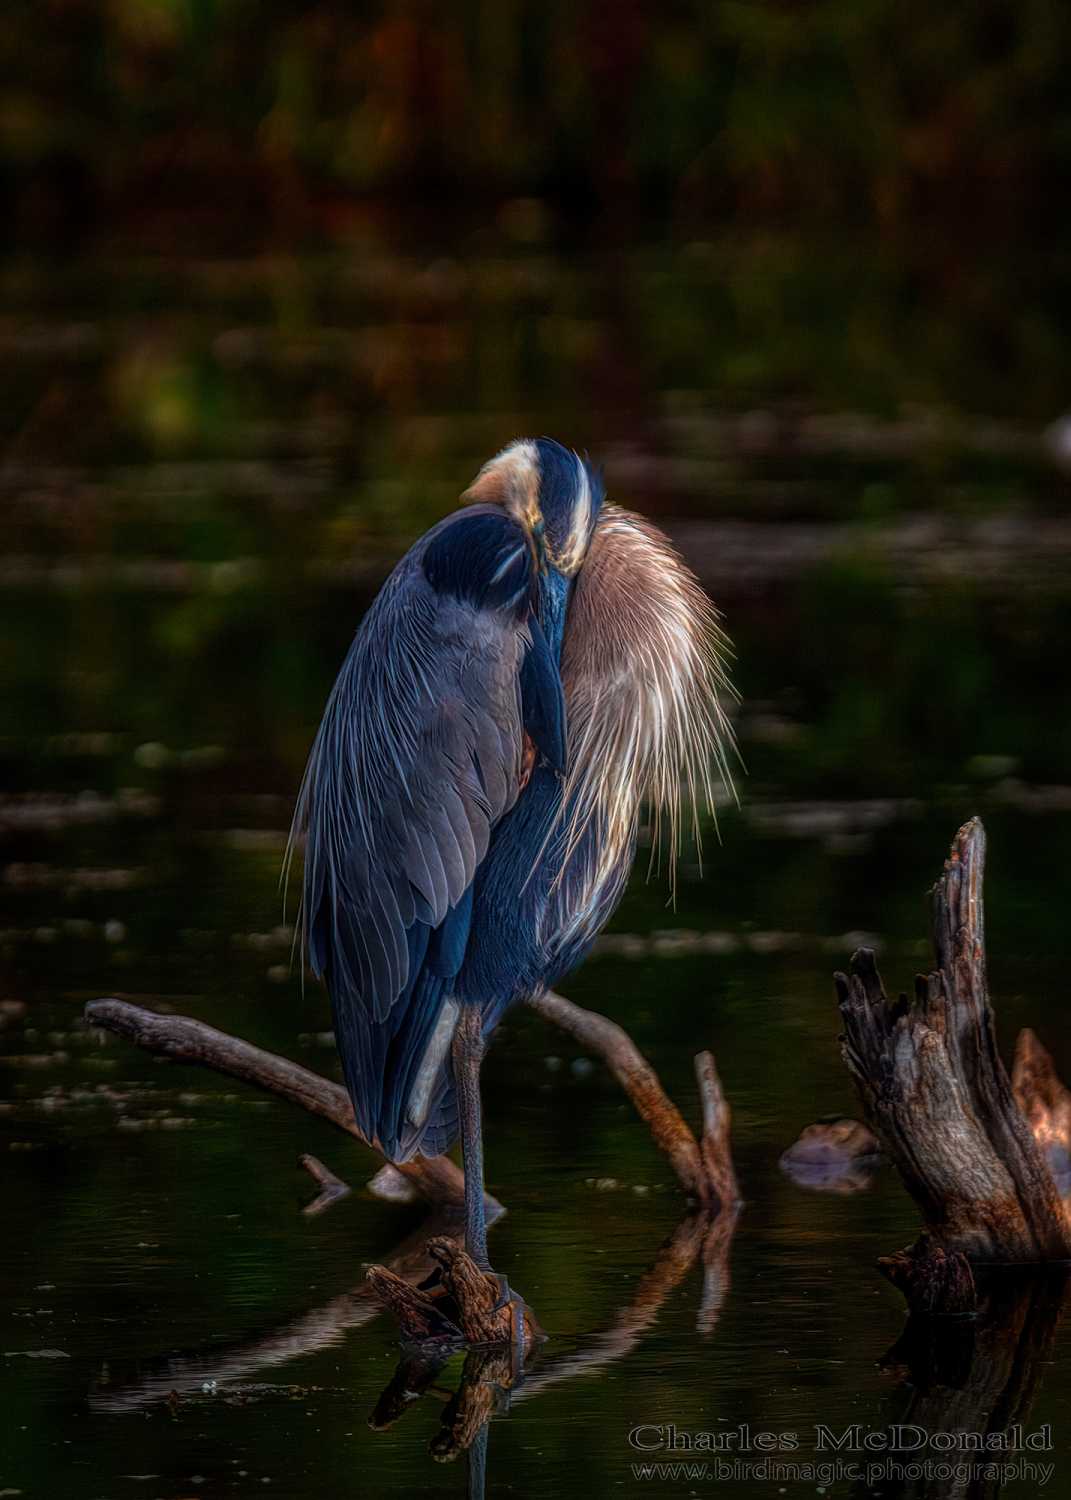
537,668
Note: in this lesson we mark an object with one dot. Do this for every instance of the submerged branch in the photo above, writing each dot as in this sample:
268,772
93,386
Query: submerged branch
332,1188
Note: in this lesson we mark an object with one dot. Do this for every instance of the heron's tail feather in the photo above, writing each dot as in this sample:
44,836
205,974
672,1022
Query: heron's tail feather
397,1070
442,1128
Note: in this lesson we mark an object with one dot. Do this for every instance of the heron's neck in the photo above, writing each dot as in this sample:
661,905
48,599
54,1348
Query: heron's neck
553,598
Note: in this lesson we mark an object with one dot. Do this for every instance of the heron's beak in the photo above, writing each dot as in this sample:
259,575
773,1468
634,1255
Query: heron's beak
538,534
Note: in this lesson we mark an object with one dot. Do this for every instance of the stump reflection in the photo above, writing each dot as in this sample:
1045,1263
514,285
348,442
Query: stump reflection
974,1377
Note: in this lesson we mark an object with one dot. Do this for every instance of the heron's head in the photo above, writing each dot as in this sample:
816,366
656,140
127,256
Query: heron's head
552,492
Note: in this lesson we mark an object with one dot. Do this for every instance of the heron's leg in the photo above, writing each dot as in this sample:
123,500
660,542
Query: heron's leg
477,1475
468,1050
467,1055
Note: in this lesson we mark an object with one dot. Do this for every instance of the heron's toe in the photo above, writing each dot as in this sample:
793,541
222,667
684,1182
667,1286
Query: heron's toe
523,1322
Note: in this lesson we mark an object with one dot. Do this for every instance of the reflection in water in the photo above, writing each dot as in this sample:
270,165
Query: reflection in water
973,1375
488,1378
314,1330
491,1376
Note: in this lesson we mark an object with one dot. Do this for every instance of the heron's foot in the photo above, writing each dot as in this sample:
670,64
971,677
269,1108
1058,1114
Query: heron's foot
522,1320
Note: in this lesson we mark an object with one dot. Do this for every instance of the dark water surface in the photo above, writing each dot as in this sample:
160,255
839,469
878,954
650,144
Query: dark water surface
209,468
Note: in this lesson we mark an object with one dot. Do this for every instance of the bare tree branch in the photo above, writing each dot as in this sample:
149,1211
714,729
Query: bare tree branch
706,1173
714,1146
182,1039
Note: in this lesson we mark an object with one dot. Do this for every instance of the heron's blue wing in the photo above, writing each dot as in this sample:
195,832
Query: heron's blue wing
417,759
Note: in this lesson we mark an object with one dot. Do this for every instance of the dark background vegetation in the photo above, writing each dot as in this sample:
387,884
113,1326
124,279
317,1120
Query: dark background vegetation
276,278
917,155
227,122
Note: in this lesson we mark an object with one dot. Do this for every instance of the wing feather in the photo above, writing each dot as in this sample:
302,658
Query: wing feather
417,758
394,812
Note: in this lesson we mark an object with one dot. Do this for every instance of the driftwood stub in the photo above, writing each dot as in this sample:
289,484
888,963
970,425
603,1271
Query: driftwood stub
466,1308
938,1096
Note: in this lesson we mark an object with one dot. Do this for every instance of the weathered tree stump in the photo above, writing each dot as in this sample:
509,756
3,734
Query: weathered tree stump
938,1097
